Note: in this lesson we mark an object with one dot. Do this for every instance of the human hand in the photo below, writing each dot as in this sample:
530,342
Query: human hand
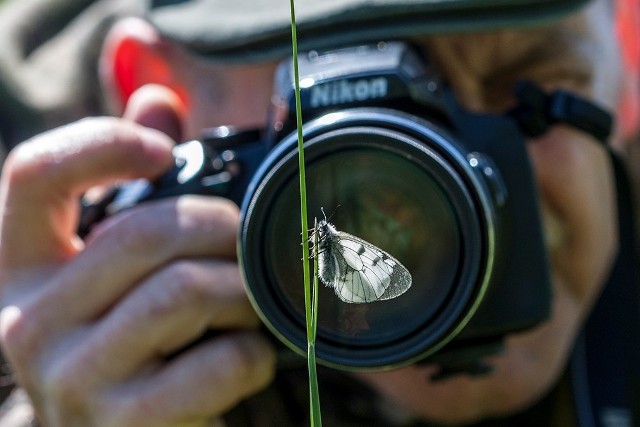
88,326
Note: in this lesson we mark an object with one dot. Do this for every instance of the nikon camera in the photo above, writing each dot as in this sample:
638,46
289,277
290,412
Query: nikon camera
399,163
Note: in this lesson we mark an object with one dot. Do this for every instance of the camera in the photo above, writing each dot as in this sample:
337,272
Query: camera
401,164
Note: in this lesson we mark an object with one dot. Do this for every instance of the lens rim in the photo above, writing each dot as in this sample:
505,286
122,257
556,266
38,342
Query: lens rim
419,141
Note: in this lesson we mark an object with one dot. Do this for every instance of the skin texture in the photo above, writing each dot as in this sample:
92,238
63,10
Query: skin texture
88,325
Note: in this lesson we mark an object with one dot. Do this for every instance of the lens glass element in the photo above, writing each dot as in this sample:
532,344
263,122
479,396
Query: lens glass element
390,203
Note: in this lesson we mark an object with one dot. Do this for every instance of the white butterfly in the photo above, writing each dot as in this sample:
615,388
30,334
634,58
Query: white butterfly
358,271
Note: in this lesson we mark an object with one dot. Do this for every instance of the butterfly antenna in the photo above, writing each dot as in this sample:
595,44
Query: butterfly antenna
323,214
332,213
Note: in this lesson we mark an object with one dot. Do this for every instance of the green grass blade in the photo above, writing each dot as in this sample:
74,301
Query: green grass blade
309,299
314,394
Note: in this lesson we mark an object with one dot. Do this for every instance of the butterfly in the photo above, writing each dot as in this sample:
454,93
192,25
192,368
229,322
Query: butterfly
358,271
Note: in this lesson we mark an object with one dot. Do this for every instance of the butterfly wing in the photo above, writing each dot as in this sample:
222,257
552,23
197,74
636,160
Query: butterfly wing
365,273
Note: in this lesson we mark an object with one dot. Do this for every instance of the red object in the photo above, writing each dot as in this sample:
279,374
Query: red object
628,28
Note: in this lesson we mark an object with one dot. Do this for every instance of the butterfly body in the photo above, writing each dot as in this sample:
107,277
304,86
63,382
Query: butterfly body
358,271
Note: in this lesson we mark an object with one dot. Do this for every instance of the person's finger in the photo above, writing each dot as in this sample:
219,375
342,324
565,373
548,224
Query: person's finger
44,177
157,107
208,380
136,243
170,309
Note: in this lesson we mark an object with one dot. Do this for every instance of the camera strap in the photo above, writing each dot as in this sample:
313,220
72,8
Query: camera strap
538,110
605,364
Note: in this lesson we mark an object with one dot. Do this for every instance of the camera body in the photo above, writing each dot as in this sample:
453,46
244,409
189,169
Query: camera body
448,192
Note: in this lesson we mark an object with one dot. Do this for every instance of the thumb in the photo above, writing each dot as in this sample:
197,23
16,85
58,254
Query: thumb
157,107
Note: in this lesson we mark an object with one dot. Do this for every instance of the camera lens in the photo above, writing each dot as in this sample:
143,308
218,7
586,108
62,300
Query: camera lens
401,184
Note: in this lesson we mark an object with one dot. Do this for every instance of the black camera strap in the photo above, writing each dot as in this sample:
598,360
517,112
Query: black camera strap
538,110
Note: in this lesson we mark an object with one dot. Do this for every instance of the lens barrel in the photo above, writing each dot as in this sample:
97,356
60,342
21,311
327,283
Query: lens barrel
405,185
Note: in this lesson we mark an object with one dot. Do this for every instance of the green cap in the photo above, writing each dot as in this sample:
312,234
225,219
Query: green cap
256,30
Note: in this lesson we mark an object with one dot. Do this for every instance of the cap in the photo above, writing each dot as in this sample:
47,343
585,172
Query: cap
256,30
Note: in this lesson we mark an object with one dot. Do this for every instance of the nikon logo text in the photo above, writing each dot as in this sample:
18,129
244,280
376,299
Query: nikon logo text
343,91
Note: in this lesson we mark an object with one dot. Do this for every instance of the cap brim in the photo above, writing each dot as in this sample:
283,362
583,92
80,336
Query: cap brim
257,30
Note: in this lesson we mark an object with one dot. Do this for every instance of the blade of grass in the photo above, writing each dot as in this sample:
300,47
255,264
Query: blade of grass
314,308
314,393
310,309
